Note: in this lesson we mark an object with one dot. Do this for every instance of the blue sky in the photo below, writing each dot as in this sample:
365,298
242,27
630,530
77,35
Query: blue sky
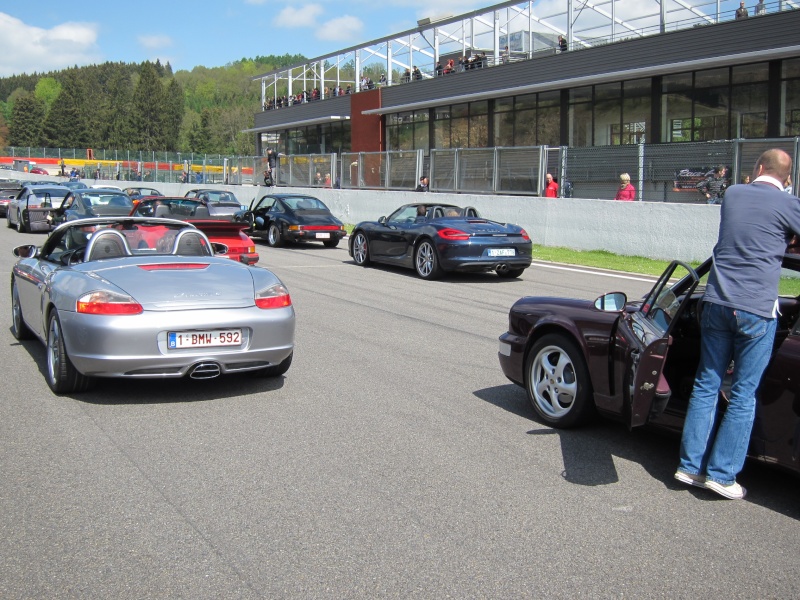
47,35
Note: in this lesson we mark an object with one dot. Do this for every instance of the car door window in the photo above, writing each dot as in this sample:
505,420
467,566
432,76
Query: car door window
403,216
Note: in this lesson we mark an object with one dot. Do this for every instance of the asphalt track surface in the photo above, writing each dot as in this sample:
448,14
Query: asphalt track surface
393,460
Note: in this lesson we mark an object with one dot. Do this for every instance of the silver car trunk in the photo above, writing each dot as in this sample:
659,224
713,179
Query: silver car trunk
181,286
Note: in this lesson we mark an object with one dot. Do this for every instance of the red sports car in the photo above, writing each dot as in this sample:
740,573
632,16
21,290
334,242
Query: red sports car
219,228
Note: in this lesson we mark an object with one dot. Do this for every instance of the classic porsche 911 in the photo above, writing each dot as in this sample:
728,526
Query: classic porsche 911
636,361
220,229
147,298
284,218
438,238
33,207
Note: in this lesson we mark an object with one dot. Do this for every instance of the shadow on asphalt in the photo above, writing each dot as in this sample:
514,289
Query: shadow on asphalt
588,455
112,391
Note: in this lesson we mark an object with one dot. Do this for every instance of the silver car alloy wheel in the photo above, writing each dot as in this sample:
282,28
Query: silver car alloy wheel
360,249
54,357
274,235
554,384
16,309
425,259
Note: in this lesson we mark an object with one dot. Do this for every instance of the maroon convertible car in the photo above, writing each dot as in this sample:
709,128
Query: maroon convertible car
636,361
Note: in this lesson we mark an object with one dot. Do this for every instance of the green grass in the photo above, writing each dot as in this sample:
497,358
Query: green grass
789,286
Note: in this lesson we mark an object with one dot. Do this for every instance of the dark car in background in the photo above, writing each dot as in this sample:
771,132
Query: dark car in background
284,218
636,361
92,202
219,197
437,238
220,228
141,192
32,207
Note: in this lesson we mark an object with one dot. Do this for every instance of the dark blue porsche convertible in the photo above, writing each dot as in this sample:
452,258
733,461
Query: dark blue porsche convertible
436,238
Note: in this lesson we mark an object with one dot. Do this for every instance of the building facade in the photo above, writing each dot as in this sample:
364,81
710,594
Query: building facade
720,80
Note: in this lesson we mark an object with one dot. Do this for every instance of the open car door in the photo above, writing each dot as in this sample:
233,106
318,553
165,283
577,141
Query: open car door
648,332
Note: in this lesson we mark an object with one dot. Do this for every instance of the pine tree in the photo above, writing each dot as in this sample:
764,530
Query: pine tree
174,114
67,123
147,111
27,119
117,130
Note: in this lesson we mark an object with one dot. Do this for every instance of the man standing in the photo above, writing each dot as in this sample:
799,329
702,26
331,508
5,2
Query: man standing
713,186
551,187
423,184
738,322
741,12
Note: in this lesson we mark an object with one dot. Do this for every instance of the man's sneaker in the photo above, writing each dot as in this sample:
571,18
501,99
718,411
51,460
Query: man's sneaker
733,491
690,479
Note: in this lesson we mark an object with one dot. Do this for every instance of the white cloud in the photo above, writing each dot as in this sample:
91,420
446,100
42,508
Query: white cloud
341,29
305,16
25,48
154,42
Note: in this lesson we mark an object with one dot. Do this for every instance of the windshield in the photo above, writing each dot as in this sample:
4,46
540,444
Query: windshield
98,199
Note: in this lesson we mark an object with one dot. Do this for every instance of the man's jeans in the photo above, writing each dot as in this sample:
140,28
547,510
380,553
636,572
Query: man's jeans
710,446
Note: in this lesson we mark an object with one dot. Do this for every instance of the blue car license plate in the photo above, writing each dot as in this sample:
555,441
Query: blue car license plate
501,252
204,339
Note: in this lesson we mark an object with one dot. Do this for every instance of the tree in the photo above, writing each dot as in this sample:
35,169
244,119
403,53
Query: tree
47,90
148,117
117,131
174,108
27,119
67,123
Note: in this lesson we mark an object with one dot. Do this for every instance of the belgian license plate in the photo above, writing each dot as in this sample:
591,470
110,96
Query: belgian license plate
323,236
501,252
204,339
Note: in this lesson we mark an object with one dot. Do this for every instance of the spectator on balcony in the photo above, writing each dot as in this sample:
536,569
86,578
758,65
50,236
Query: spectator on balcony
626,191
382,81
761,8
318,178
407,76
562,44
417,74
741,12
462,63
439,68
551,187
327,181
504,55
423,185
349,89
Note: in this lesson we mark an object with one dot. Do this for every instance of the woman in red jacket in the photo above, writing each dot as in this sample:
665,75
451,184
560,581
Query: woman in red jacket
626,190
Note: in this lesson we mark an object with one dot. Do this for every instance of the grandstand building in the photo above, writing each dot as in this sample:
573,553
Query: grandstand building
662,72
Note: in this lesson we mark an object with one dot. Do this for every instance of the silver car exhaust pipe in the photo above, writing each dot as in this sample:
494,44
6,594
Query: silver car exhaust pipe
206,370
501,268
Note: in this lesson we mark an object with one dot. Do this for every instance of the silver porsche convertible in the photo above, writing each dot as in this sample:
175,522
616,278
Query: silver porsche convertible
147,298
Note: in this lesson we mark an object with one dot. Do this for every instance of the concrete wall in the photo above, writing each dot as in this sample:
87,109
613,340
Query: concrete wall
650,229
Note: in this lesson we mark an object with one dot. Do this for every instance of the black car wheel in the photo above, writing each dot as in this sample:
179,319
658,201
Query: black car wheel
277,370
509,273
426,262
361,249
20,224
18,327
274,236
557,382
330,243
62,376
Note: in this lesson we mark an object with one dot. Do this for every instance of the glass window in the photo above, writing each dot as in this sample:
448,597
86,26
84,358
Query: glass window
478,131
549,126
607,113
479,108
676,108
459,110
711,78
580,124
749,110
636,109
750,73
525,128
526,101
504,129
790,68
503,104
790,107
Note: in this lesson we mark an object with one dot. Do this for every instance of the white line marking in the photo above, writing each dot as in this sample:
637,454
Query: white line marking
589,272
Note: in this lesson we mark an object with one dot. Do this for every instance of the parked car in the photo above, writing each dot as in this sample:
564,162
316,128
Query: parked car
220,197
146,298
30,210
8,191
220,229
636,361
92,202
141,192
75,185
284,218
438,238
38,171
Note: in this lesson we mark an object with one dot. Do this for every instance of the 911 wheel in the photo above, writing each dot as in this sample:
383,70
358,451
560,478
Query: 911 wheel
18,327
557,382
426,261
360,249
20,224
274,236
62,376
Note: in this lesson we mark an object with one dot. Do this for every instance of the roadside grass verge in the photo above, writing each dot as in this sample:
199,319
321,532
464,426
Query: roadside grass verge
789,286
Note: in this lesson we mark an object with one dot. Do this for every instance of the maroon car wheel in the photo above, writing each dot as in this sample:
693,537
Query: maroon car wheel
557,382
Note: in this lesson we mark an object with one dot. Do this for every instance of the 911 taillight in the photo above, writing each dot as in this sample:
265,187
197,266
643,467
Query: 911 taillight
107,303
276,296
525,235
